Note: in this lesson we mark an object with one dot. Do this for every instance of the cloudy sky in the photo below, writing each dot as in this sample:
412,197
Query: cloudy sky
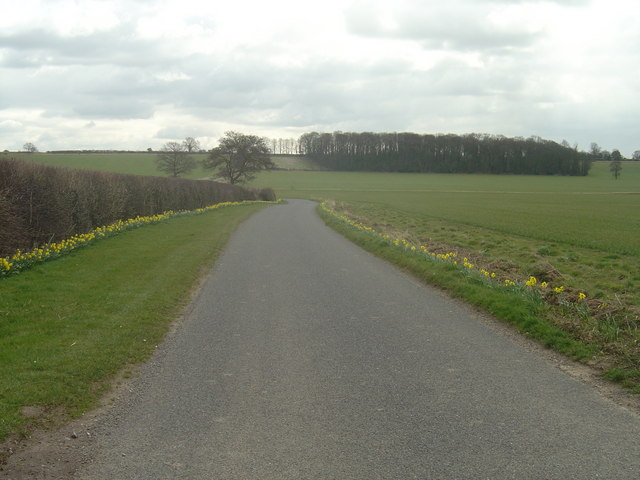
132,74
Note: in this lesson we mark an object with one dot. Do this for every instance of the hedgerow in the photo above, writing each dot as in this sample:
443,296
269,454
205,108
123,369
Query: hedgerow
40,205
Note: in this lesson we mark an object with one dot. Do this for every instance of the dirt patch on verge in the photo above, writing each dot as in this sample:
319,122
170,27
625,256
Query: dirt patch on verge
56,446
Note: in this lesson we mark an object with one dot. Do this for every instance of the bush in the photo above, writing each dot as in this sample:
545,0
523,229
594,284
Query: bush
42,204
265,194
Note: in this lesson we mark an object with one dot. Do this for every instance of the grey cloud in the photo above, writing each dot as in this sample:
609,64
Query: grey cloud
112,107
88,92
180,132
451,26
118,46
7,126
331,92
567,3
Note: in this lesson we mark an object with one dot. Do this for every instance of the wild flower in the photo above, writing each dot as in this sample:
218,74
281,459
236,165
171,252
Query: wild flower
451,257
5,264
22,260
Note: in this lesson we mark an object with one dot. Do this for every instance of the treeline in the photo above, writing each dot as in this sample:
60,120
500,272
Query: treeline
41,204
68,152
412,152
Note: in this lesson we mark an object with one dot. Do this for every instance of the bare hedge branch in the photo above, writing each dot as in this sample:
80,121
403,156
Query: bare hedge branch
42,204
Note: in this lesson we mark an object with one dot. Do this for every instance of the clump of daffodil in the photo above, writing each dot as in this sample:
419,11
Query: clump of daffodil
451,257
22,260
5,266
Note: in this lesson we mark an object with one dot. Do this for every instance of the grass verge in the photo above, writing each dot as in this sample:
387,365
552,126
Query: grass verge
563,322
70,325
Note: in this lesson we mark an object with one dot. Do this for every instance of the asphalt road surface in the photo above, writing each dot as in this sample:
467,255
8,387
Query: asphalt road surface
304,357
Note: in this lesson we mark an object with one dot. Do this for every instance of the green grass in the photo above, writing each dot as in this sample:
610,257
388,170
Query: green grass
588,330
579,232
515,305
68,326
595,211
294,162
140,163
586,228
128,163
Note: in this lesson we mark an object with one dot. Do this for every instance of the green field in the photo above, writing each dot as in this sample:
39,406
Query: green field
138,163
594,211
587,228
582,233
129,163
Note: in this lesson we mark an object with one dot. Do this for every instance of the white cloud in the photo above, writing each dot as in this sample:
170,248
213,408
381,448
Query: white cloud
131,74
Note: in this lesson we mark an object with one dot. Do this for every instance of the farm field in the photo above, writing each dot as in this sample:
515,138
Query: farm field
587,228
595,211
139,163
582,233
578,233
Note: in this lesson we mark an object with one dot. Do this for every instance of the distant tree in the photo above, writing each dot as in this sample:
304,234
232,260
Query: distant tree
191,144
596,151
636,155
616,163
29,147
150,150
238,157
174,160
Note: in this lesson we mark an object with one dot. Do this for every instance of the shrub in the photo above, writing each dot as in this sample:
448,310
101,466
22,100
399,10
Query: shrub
265,194
42,204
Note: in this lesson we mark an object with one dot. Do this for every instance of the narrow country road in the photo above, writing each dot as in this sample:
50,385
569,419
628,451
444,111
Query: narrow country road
304,357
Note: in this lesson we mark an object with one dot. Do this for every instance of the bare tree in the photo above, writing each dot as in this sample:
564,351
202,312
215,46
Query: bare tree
191,144
174,160
636,155
238,157
616,165
29,147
